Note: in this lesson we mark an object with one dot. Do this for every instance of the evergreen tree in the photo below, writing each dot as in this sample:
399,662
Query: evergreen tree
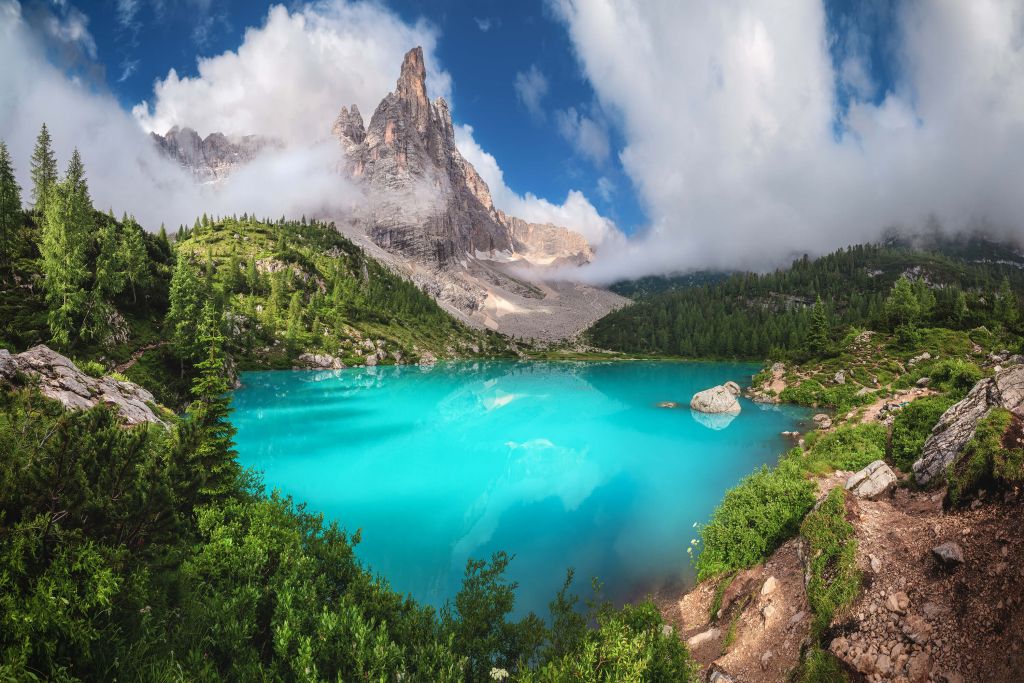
819,340
1007,308
44,171
132,255
902,307
294,329
66,229
215,454
10,206
108,281
186,304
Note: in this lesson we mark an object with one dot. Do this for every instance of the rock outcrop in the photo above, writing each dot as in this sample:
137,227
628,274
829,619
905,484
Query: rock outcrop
63,381
425,201
214,157
720,399
957,425
320,361
872,482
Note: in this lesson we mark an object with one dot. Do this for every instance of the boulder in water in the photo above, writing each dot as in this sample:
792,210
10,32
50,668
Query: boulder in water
720,399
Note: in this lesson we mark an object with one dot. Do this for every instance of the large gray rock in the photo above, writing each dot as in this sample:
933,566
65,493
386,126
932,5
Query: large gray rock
957,425
872,482
61,380
720,399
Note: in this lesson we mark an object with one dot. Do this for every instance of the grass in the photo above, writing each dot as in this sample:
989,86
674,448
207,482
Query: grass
987,460
820,666
716,601
834,578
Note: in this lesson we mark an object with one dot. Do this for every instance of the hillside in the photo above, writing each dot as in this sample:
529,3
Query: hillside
748,315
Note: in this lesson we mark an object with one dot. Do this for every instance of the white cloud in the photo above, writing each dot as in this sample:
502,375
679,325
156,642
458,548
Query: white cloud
290,76
587,136
124,169
483,23
605,188
728,112
126,12
575,213
531,87
71,28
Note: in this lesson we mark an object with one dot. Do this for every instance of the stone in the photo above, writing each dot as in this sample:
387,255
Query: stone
883,665
923,382
733,388
876,564
62,380
427,359
767,611
766,659
916,629
770,585
839,377
949,554
919,359
719,676
872,482
371,360
715,400
897,602
703,637
956,427
668,404
919,667
822,421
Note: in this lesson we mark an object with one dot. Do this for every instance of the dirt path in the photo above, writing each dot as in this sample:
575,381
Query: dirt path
124,367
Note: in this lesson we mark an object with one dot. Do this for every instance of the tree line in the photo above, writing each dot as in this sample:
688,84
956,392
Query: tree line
798,312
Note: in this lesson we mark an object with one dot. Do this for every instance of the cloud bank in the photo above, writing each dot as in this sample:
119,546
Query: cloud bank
742,156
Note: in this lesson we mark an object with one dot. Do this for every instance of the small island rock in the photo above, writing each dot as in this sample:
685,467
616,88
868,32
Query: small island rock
720,399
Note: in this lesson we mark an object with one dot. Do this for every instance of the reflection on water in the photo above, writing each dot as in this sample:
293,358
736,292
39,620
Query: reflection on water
561,464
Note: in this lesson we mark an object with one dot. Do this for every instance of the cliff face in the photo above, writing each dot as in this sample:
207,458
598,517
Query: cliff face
426,201
212,158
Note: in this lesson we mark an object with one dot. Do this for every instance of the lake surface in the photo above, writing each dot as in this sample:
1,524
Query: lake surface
561,464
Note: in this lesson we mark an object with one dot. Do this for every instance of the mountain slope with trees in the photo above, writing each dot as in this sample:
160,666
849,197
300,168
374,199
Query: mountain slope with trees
791,313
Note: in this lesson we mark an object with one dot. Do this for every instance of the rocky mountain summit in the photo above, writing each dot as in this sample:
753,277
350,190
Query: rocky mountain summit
211,158
427,207
63,381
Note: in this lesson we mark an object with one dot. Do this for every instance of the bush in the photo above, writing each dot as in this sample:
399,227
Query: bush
754,518
912,426
91,368
834,578
850,447
955,375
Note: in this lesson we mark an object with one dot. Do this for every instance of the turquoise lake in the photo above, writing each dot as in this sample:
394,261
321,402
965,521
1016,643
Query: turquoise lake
562,464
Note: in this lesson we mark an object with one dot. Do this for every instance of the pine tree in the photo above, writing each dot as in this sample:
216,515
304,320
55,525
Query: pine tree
215,454
66,229
1007,308
132,255
44,171
295,328
186,304
10,207
819,340
108,282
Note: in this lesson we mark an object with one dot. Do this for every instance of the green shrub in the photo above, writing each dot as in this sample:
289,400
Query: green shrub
754,518
985,462
912,426
955,375
835,579
840,397
91,368
850,447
